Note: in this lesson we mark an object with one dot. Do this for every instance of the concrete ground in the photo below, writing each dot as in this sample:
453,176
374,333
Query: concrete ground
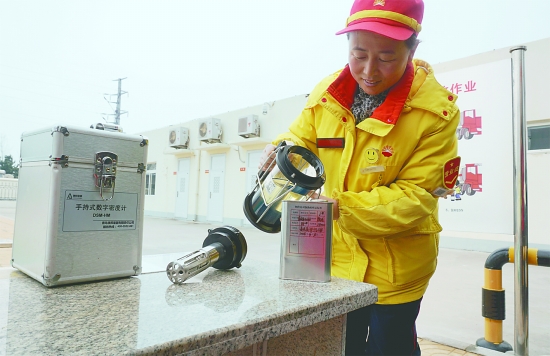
450,320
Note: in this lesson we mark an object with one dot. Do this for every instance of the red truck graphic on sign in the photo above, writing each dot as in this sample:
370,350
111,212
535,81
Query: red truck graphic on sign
469,125
470,179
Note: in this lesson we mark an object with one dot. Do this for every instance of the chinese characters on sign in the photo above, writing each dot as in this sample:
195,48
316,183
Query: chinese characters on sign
86,211
457,88
100,207
455,210
111,224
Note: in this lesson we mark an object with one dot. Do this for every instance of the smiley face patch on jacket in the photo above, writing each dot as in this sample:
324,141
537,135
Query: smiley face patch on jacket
371,155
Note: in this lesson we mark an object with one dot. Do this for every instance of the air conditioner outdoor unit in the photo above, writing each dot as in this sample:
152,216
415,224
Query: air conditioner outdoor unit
179,137
249,126
210,130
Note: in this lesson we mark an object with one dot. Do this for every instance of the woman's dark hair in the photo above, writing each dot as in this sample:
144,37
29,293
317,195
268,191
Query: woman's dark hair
409,42
412,41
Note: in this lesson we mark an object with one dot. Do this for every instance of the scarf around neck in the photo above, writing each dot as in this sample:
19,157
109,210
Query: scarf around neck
364,104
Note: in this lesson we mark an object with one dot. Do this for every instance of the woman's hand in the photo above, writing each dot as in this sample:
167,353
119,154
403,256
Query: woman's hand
266,158
335,209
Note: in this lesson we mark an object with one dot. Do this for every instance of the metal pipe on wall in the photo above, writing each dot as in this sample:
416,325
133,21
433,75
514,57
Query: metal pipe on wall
521,289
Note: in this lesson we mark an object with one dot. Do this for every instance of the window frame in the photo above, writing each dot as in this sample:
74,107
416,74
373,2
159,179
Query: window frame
536,127
151,178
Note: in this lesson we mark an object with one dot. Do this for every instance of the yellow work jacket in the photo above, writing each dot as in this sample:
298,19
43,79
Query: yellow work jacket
384,175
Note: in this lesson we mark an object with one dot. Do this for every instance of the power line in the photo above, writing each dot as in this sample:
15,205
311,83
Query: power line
49,83
50,96
20,113
42,102
51,76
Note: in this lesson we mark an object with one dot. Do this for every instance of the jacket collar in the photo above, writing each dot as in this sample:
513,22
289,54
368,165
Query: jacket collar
343,88
385,117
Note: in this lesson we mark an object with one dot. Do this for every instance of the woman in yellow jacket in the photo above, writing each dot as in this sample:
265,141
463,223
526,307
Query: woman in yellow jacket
384,129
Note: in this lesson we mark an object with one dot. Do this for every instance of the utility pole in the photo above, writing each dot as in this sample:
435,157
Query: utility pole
118,112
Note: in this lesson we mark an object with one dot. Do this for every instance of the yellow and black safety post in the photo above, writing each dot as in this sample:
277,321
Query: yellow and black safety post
493,306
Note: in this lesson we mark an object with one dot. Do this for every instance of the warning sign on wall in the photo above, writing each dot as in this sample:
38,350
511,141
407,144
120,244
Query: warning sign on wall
482,199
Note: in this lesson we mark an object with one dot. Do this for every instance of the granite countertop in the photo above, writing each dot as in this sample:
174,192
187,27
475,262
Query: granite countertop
218,312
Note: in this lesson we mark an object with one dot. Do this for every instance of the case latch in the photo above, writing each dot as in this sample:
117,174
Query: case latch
105,172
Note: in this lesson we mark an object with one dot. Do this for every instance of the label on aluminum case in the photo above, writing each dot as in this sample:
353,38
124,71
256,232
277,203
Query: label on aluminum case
87,211
306,243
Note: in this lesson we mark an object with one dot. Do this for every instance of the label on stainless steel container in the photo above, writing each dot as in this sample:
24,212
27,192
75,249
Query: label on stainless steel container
87,211
306,242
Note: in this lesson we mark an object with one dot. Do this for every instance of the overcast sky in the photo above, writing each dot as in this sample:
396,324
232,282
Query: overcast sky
189,59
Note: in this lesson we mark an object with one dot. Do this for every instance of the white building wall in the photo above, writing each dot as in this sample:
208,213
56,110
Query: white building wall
275,117
538,169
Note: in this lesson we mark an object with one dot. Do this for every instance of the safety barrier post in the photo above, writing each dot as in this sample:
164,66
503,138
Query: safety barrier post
493,302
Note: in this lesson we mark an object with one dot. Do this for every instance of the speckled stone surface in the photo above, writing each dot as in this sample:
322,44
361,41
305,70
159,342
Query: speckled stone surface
324,338
148,315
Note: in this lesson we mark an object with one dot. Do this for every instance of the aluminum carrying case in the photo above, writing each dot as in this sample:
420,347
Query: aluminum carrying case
79,212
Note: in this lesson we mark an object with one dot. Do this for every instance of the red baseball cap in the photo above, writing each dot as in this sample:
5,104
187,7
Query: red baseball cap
397,19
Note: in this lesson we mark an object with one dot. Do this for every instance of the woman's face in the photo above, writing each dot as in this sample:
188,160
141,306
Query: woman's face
377,62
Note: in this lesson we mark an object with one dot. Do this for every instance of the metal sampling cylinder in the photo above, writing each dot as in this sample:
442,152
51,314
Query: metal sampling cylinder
224,248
